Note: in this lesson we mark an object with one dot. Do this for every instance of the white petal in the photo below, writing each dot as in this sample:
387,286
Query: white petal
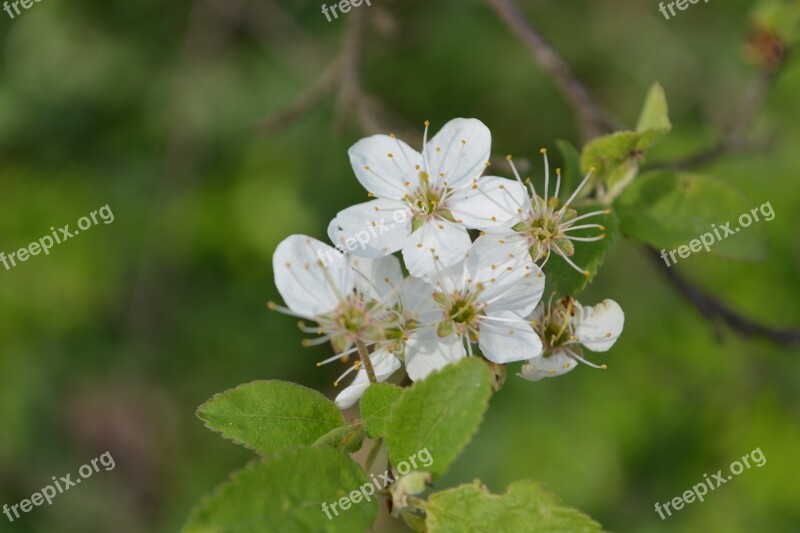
509,278
599,327
436,245
384,364
512,339
372,229
382,175
310,275
490,202
460,151
427,352
378,279
547,367
418,303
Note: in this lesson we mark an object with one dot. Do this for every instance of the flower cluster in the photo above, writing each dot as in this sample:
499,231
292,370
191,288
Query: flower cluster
461,295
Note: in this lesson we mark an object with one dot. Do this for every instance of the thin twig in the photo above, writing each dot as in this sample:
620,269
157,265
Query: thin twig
304,102
594,120
716,311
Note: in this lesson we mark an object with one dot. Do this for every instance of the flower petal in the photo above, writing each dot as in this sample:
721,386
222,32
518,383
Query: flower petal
426,352
489,202
508,277
438,244
599,327
507,340
379,279
310,276
385,166
384,364
418,303
372,229
459,152
547,367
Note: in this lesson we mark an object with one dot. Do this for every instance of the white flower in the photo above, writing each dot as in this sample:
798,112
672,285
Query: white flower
542,228
425,200
480,300
351,303
565,327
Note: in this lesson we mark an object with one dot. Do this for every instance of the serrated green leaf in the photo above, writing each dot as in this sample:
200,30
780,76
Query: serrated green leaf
440,413
286,492
527,507
376,404
668,209
269,415
654,123
564,279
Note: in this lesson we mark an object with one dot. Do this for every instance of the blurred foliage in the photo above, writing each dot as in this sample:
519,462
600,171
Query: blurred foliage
114,339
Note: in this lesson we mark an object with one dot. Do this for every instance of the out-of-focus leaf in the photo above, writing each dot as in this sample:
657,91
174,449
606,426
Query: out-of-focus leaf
654,123
668,209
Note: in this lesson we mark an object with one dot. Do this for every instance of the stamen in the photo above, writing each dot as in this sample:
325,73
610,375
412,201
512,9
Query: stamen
543,151
585,226
588,239
558,182
575,194
337,357
570,263
585,362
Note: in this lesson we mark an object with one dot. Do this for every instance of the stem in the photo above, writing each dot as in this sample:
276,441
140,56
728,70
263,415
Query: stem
362,352
373,454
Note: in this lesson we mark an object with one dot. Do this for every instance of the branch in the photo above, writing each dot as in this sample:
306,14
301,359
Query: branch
593,119
716,311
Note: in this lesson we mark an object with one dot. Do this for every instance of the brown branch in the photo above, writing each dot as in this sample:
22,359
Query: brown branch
716,311
593,119
303,103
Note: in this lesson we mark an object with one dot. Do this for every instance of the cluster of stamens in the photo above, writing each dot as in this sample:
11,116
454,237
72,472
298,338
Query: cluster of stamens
547,224
557,330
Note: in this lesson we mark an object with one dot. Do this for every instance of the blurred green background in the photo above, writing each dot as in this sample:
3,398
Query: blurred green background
113,340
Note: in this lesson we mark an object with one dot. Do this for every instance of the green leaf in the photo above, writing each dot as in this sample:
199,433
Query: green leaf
344,439
668,209
564,279
654,123
286,492
440,413
615,160
269,415
376,404
527,507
